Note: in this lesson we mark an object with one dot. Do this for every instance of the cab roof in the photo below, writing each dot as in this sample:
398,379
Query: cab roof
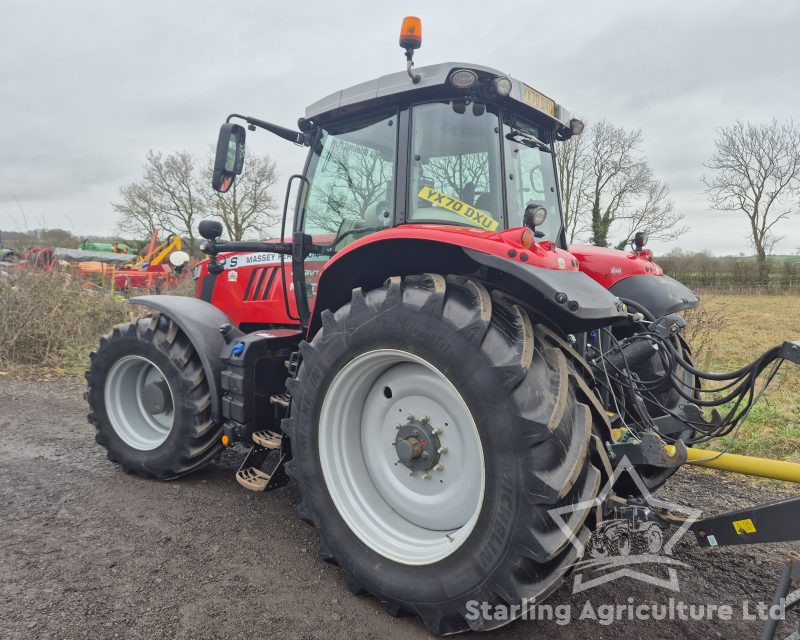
433,80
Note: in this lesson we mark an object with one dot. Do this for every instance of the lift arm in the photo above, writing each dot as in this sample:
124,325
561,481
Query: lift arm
769,522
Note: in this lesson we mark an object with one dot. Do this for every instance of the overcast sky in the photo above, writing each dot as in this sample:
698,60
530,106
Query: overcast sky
86,88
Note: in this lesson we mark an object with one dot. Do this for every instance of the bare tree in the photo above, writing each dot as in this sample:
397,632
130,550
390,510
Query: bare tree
756,171
248,207
653,212
139,211
574,177
167,197
619,189
174,187
618,175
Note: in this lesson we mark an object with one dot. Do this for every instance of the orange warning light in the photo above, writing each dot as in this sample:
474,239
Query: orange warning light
411,33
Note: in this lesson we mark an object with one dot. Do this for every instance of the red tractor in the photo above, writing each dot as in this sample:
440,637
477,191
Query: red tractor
424,355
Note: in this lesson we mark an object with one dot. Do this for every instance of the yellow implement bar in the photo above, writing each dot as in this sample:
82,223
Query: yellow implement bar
748,465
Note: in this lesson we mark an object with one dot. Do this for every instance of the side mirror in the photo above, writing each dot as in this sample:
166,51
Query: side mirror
229,159
210,229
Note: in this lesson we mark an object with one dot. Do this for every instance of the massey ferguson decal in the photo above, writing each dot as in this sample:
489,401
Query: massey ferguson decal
251,259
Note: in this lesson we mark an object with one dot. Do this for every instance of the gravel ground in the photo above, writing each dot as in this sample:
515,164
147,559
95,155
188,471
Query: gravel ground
90,552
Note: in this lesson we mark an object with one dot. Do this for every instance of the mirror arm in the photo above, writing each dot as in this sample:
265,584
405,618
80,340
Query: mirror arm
287,134
213,247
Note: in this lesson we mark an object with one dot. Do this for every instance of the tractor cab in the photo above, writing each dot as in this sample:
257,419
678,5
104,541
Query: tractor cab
453,145
466,146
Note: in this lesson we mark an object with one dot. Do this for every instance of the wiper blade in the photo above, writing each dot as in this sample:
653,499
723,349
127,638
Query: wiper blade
528,139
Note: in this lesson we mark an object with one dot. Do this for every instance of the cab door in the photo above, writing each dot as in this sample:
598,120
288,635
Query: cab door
349,193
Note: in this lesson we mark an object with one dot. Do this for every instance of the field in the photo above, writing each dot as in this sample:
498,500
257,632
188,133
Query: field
736,329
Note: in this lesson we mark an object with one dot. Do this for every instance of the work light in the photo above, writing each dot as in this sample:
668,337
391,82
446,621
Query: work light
463,79
502,86
535,215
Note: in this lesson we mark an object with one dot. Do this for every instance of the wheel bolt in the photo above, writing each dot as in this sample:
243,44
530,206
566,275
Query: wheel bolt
411,417
441,450
425,419
439,467
411,473
399,426
426,476
436,432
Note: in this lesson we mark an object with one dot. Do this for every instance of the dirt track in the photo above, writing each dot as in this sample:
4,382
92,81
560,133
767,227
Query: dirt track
87,551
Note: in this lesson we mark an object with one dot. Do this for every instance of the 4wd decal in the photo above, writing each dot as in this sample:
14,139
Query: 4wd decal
250,259
475,216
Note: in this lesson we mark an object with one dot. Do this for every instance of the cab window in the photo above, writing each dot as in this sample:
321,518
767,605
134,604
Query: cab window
530,174
351,178
455,164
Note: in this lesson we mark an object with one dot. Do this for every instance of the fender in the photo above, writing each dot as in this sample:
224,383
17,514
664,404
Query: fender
201,322
586,304
660,295
634,275
570,299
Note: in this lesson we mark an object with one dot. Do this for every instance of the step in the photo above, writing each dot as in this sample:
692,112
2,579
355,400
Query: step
252,479
281,399
267,439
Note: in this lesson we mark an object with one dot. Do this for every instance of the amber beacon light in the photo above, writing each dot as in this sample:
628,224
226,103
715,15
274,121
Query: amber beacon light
411,33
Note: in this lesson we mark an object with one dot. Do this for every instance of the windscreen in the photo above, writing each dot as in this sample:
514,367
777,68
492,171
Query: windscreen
455,175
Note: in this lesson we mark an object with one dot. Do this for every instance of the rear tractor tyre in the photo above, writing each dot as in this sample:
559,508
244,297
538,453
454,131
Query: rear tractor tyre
433,430
150,401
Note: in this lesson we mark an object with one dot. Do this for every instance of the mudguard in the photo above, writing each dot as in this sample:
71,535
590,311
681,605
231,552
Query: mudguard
570,299
660,295
583,304
200,321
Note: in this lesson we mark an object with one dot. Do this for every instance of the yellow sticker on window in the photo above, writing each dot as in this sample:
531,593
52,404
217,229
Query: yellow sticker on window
744,527
538,101
470,213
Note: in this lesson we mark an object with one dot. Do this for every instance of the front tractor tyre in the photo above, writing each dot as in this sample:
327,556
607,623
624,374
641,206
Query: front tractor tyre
150,401
433,429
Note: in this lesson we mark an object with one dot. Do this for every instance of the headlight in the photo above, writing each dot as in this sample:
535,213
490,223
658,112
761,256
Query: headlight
463,79
502,86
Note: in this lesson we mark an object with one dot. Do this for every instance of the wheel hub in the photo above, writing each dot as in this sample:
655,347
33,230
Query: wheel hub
417,444
156,397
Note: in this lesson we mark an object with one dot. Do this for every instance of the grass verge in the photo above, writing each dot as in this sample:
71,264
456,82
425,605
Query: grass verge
745,327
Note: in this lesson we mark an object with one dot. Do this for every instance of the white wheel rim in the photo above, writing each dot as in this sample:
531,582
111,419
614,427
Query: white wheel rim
411,519
132,422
